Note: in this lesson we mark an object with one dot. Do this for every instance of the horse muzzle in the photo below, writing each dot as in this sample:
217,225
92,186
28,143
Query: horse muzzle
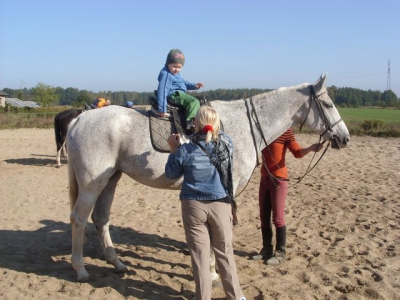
336,143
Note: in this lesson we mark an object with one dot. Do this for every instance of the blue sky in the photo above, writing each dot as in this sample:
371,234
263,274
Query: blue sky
121,45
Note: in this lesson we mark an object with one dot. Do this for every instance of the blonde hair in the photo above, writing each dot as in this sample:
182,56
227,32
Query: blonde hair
208,116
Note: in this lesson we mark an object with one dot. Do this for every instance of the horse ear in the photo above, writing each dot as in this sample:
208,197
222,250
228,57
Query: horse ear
320,82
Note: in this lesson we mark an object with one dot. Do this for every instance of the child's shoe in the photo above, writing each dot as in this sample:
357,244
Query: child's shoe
157,113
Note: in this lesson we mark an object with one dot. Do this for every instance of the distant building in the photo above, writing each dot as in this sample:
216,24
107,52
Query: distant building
3,98
15,102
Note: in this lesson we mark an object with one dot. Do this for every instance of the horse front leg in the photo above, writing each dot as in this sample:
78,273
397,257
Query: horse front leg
101,219
79,217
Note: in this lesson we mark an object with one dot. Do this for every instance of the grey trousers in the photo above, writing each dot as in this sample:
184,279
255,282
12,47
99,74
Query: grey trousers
209,223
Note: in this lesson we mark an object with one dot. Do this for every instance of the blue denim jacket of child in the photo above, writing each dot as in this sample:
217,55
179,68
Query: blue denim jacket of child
201,180
168,84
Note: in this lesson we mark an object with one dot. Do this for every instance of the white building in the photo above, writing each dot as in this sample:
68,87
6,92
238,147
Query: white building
15,102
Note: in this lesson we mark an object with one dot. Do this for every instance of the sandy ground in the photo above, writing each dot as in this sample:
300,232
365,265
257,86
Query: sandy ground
343,230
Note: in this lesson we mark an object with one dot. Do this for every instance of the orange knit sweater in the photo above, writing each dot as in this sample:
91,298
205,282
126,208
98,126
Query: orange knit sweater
274,155
101,103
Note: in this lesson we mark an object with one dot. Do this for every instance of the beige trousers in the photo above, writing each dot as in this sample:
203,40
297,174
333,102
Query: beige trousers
209,223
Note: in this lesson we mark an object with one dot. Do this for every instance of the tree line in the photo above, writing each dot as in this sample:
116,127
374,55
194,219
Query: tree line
46,95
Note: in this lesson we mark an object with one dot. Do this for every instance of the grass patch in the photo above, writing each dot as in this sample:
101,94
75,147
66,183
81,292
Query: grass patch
360,115
27,117
379,122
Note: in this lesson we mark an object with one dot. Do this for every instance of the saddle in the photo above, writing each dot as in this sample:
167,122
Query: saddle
162,127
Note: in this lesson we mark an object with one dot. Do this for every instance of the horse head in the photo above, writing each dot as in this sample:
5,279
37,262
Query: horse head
323,115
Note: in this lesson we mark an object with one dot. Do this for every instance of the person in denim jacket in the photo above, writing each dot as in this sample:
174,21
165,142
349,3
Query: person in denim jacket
206,204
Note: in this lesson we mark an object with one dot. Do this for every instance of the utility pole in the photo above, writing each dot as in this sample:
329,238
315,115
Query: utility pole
388,87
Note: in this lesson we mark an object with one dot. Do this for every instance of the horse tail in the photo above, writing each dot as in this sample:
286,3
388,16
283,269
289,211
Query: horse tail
73,184
57,131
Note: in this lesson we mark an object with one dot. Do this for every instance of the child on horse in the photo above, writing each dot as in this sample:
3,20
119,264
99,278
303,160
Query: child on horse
172,87
100,102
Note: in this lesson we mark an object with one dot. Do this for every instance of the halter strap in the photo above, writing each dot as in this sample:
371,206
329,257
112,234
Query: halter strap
315,97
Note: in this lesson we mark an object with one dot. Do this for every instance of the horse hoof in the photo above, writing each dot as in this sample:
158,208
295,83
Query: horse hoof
83,277
121,268
120,271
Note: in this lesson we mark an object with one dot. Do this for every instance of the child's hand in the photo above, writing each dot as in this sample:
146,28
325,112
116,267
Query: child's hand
199,85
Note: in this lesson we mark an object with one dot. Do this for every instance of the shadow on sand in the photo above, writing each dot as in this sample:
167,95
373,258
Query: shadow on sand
41,252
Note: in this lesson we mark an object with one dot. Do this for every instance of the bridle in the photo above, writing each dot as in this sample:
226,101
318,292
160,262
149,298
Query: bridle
328,125
328,128
252,114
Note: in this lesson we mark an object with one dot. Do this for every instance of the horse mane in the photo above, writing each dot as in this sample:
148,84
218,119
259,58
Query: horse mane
296,87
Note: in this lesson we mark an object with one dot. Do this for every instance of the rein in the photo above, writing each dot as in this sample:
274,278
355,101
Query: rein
252,115
328,127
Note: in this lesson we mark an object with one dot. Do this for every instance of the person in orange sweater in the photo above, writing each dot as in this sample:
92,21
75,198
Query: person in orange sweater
273,191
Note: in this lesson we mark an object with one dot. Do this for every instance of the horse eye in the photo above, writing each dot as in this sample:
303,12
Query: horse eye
327,104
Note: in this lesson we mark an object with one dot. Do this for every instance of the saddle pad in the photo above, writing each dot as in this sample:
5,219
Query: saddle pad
160,130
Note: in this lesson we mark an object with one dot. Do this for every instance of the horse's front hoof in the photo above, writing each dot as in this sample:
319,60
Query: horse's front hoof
120,271
120,268
82,277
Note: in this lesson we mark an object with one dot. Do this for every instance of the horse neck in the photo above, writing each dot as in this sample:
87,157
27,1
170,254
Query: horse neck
278,111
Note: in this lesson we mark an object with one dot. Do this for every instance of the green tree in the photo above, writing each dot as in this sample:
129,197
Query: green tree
44,94
82,99
20,95
390,98
70,96
332,92
61,93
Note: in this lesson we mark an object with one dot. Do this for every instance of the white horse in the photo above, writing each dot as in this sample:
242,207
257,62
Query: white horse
102,144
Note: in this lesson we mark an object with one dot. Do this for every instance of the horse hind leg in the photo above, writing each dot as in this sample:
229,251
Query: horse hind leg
64,151
82,202
79,217
101,220
81,205
58,158
61,149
